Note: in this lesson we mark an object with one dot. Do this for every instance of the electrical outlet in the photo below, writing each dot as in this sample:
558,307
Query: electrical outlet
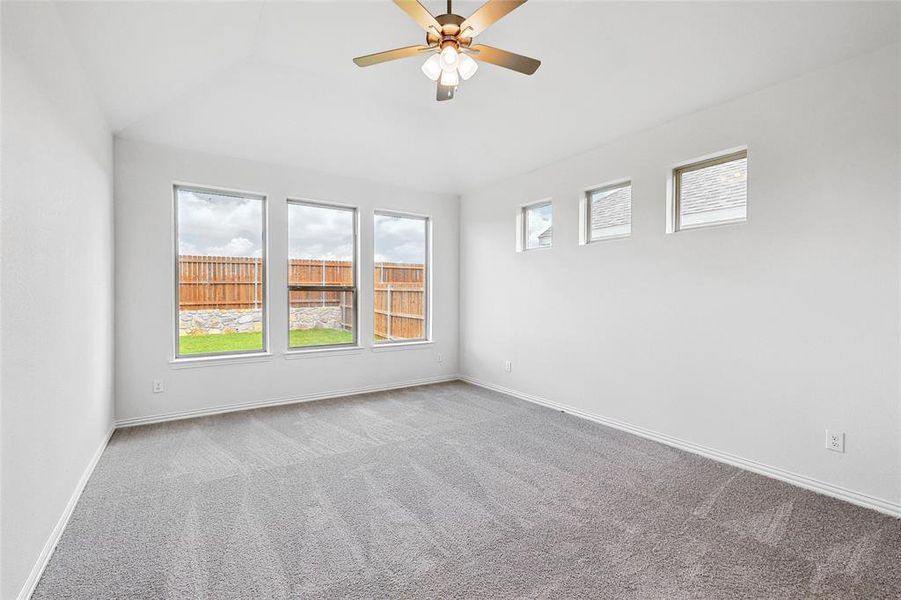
439,358
157,386
508,366
835,441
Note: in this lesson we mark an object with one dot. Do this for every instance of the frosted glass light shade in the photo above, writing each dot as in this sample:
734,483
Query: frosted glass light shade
450,78
432,67
468,67
449,58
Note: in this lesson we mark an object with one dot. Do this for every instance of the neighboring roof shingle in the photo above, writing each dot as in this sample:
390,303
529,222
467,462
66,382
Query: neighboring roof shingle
718,187
611,208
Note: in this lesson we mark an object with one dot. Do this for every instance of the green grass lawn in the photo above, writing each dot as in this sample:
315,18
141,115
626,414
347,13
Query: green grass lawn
248,342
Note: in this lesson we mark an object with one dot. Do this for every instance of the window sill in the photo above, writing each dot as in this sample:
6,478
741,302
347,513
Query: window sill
321,352
604,238
710,224
214,361
393,346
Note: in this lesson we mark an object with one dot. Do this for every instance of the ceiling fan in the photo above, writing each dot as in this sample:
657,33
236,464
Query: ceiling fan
449,41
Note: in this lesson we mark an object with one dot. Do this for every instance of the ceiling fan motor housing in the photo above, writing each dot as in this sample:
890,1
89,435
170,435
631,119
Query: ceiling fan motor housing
450,31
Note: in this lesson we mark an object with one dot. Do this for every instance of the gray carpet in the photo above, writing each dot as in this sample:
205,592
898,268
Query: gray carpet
449,491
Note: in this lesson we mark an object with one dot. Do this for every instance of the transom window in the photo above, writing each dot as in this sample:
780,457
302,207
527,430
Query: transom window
537,225
609,211
711,192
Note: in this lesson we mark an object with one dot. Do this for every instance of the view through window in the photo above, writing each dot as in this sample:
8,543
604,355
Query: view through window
712,192
400,274
538,225
610,211
221,257
321,275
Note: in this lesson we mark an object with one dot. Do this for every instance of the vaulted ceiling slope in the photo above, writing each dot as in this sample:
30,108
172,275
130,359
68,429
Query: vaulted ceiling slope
274,81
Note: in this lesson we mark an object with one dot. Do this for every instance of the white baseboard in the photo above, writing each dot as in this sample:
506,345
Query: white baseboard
828,489
884,506
44,558
216,410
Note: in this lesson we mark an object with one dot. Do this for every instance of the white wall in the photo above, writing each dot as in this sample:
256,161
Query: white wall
750,339
144,286
57,294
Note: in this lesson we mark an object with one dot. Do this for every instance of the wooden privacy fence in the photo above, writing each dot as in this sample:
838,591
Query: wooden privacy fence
224,282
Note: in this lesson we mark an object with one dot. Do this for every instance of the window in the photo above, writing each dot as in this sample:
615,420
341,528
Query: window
537,226
711,192
401,278
221,274
322,275
609,211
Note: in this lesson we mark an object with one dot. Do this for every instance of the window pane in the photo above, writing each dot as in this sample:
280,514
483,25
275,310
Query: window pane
321,253
611,211
321,318
714,194
220,272
538,221
400,278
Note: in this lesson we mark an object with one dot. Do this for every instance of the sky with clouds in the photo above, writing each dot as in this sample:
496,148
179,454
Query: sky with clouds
399,239
220,225
319,232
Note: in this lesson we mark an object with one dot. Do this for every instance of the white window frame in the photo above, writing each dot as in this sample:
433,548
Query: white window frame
522,223
674,220
585,204
264,320
427,287
354,288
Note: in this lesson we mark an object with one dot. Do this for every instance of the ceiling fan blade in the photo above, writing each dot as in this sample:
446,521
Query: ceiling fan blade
418,13
508,60
487,15
380,57
445,92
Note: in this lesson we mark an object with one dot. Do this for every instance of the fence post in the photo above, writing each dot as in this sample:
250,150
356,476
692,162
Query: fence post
388,315
322,294
209,282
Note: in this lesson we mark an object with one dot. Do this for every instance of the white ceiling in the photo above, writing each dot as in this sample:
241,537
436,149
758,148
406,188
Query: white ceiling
274,81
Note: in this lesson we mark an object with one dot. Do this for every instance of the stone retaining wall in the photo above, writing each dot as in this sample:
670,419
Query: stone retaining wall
213,321
316,317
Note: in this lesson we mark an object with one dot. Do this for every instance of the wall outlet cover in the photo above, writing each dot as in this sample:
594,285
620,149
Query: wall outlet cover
157,386
508,366
835,441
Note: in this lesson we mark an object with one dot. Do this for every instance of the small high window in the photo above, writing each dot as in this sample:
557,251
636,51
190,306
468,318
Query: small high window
608,212
711,192
537,226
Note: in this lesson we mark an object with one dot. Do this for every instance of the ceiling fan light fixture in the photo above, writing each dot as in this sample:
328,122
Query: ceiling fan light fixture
449,42
450,78
432,67
449,58
468,67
